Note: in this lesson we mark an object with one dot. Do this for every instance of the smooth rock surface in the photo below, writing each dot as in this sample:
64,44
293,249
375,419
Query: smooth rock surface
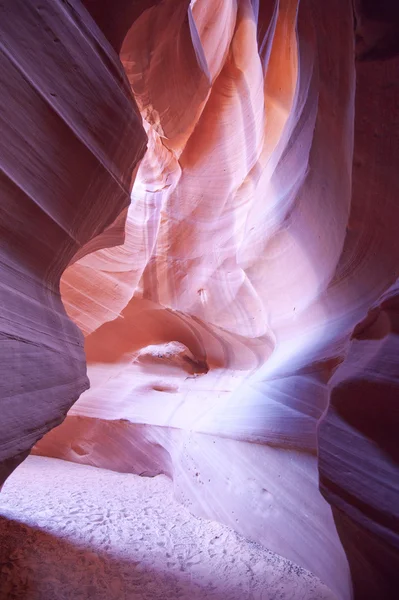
71,137
236,225
239,306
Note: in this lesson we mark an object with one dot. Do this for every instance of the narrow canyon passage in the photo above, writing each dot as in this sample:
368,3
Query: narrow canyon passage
199,299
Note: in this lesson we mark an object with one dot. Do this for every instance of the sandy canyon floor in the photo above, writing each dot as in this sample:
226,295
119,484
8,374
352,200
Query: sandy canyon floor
69,531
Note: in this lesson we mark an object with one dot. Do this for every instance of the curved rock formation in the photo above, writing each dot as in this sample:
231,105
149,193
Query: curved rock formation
71,137
200,354
358,445
227,337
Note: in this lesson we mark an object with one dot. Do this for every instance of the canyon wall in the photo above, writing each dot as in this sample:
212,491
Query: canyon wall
71,138
358,446
239,306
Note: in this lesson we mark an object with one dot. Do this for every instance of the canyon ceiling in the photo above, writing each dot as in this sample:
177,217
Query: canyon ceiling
199,215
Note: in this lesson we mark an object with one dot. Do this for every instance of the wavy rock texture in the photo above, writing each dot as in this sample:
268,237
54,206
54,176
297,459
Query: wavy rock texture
358,445
260,232
203,327
71,137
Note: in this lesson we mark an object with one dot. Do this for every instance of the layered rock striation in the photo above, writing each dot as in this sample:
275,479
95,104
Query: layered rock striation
239,305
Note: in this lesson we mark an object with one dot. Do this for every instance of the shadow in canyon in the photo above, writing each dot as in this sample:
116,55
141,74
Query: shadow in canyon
36,565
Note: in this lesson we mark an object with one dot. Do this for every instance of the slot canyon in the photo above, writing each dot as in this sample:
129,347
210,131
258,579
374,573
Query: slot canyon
199,291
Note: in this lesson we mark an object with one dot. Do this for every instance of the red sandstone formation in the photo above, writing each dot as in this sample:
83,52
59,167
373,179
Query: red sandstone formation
239,312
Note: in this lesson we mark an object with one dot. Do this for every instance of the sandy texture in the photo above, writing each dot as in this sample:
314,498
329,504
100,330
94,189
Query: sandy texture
71,531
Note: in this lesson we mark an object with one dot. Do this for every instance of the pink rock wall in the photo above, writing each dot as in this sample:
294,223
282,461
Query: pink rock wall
221,306
202,329
358,446
71,137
